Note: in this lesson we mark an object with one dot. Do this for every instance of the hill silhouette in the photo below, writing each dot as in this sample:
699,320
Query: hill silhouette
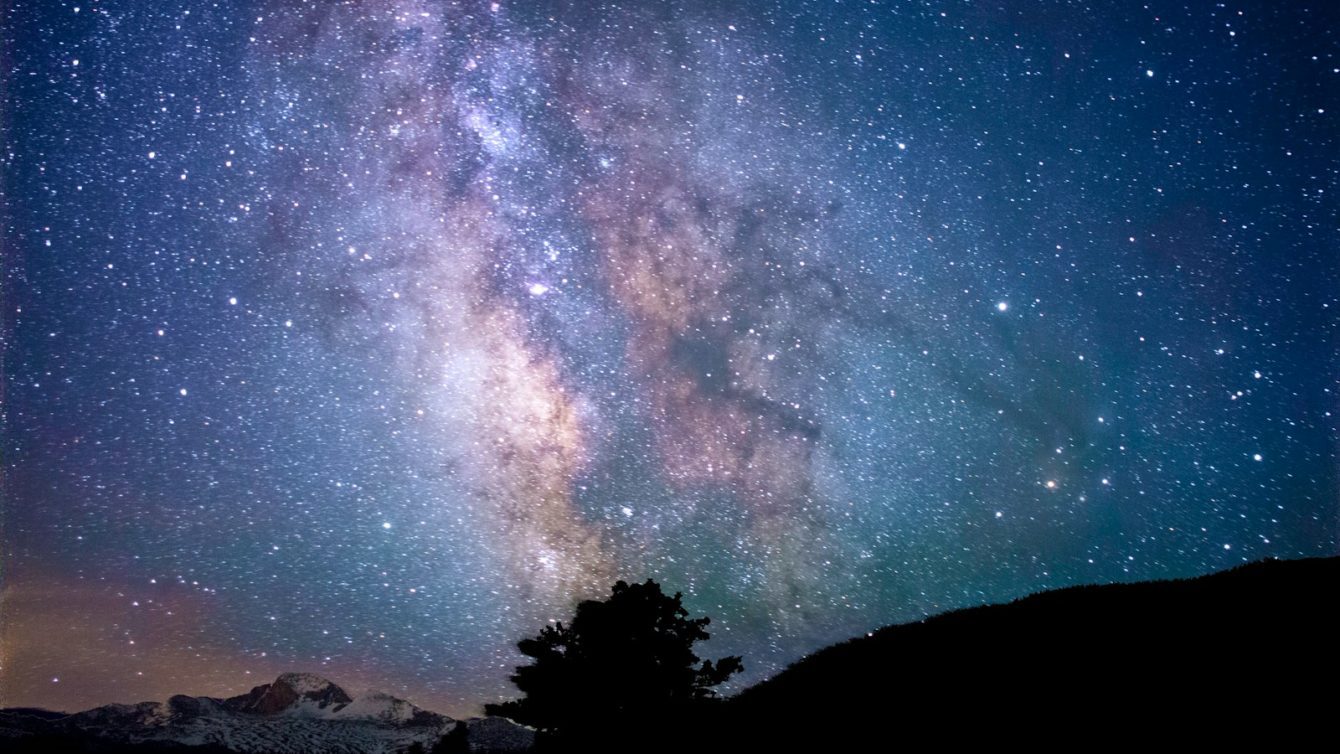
1236,655
1248,650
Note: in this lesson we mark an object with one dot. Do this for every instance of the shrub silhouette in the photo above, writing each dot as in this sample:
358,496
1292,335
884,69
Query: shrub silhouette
621,664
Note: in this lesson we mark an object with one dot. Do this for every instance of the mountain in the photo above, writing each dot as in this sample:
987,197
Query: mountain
1250,651
1227,657
298,713
294,695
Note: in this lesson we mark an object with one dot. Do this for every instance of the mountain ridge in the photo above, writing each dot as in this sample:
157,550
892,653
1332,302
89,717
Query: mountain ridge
1243,647
295,714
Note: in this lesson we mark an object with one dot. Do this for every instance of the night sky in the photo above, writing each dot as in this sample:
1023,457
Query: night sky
363,338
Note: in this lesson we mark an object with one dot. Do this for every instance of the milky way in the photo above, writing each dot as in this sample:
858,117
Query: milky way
363,338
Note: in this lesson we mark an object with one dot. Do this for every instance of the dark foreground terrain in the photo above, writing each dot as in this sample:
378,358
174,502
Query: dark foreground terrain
1251,651
1244,655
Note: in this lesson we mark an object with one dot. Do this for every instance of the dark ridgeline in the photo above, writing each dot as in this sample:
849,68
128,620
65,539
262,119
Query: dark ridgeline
1246,652
1228,657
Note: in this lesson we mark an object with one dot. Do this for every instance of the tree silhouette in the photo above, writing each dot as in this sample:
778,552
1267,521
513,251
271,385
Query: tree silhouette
456,741
622,663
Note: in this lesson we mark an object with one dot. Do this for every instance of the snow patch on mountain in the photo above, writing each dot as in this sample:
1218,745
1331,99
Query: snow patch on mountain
297,714
376,705
306,683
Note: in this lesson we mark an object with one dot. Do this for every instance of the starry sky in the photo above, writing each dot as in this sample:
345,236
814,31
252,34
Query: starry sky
362,338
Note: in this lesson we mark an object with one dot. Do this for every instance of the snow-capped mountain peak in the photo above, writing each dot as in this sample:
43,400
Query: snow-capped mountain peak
298,694
296,714
377,705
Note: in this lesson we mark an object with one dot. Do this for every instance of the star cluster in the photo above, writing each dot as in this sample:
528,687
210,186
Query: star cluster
364,337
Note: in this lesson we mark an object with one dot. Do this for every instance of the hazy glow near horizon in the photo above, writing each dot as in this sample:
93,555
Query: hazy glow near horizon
365,338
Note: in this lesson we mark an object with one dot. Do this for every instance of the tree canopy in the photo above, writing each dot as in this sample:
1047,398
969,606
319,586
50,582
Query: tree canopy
622,661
